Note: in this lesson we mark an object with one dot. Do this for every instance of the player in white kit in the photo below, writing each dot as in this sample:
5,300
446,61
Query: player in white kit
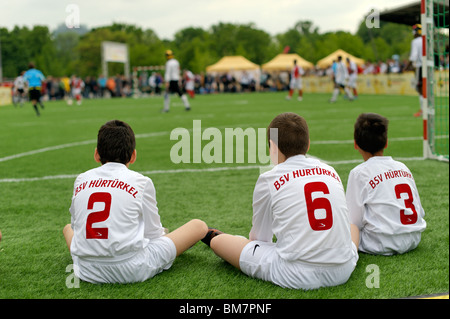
340,79
382,197
302,202
115,235
172,82
415,61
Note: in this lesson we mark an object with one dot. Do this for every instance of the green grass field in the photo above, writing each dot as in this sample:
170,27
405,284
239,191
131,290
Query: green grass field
40,157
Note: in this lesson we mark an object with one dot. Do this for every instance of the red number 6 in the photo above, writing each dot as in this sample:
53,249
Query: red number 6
318,203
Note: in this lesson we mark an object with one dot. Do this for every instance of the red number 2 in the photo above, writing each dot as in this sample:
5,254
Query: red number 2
96,217
406,219
318,203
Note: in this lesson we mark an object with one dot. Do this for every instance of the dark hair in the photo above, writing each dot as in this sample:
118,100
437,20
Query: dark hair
115,142
293,134
371,132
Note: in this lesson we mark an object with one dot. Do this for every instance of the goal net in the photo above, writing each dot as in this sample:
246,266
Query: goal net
435,72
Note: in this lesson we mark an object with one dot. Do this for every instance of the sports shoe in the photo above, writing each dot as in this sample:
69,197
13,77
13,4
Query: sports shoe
418,114
212,232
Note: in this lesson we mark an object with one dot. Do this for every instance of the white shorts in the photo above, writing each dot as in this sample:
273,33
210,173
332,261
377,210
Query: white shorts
76,92
387,245
261,260
157,256
295,84
352,81
190,86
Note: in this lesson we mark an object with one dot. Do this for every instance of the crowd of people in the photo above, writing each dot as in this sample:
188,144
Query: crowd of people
68,88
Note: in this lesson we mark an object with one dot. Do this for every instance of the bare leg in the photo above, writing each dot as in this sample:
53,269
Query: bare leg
229,247
187,235
68,234
354,230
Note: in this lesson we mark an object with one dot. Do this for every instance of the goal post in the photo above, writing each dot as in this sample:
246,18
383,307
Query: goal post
435,78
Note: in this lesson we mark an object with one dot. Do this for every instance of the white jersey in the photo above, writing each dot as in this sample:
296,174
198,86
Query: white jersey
384,204
302,202
415,55
114,213
296,81
172,71
190,81
19,83
352,69
341,73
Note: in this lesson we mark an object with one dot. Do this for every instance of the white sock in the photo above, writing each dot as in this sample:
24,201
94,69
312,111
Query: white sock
335,94
166,102
185,100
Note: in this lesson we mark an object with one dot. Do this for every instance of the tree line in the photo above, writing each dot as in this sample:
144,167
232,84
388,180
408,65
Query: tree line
78,51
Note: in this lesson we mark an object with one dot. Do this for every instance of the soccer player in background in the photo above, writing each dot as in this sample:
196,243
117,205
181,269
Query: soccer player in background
340,78
77,85
415,60
352,77
19,89
189,83
34,79
302,202
296,81
172,81
115,235
382,197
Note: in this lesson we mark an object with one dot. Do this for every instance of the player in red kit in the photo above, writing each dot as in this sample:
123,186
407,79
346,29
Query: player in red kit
77,86
296,82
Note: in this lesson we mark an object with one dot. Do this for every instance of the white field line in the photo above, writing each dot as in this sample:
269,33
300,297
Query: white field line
58,147
189,170
183,170
62,146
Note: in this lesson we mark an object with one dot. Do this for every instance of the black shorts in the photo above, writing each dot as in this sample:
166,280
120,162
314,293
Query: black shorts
35,94
175,88
419,80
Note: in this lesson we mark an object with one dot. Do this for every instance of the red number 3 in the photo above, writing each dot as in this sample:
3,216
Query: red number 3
96,217
406,219
318,203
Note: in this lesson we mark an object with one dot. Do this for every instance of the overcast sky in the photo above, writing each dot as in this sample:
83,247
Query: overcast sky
166,17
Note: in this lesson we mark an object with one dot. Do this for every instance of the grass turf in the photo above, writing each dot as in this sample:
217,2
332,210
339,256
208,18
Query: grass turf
33,254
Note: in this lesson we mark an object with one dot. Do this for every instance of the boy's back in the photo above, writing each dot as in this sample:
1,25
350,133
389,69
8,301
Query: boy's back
302,202
110,206
384,203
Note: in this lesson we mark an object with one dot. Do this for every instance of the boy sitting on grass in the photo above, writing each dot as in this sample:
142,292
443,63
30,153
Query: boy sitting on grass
116,234
382,197
302,202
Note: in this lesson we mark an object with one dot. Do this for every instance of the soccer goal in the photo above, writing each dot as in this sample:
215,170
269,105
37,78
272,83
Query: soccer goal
435,73
141,85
